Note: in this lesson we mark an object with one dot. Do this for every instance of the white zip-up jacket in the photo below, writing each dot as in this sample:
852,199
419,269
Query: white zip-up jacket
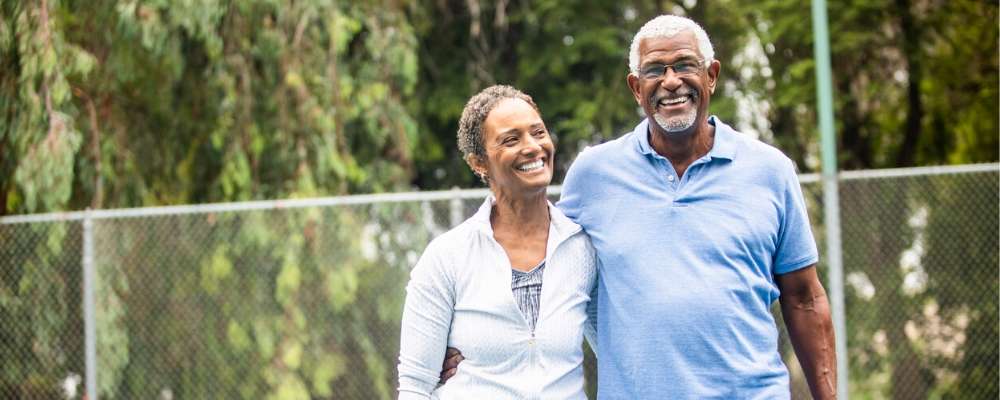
459,295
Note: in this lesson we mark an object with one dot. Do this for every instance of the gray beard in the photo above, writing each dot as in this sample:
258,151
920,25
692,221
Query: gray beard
676,124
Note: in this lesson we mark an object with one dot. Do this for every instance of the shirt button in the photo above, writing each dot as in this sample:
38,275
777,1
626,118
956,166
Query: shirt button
670,178
531,342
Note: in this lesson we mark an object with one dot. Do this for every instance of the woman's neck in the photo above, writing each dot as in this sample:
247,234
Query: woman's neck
520,214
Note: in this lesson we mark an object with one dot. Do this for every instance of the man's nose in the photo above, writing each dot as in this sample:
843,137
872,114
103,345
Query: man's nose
671,80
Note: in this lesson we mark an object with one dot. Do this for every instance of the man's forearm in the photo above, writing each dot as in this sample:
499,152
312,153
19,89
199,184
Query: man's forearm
810,329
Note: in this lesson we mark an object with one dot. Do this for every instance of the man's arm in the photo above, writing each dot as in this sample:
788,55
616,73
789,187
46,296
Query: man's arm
806,311
590,327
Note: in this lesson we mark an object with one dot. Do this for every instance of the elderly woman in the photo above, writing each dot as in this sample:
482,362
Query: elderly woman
510,286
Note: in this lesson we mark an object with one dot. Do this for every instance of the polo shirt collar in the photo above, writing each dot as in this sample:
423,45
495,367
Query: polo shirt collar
725,140
724,146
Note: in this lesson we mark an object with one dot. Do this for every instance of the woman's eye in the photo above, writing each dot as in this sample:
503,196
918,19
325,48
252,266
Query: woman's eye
539,133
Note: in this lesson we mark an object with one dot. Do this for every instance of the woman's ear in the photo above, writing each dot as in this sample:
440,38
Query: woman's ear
476,163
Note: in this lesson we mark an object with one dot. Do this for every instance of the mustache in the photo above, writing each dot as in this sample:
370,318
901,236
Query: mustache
684,91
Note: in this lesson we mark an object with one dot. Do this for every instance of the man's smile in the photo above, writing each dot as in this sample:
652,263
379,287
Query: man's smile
676,100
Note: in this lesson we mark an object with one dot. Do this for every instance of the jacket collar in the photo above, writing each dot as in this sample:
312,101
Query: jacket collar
560,226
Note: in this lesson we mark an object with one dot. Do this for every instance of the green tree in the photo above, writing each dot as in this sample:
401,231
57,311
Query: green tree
133,103
179,102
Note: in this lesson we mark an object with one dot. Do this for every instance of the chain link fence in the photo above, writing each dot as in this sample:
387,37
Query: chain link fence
302,299
41,320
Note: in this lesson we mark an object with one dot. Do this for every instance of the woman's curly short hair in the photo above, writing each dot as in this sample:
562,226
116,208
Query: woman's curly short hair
470,127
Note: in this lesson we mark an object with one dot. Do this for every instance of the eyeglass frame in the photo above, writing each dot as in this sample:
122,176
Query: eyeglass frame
699,64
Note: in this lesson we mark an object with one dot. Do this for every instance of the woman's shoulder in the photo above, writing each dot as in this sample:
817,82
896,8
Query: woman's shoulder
450,241
454,244
576,248
581,246
570,229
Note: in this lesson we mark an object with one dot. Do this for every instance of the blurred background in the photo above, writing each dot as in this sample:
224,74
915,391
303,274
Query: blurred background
121,104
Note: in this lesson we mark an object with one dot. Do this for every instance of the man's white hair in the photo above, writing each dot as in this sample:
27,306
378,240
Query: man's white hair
668,26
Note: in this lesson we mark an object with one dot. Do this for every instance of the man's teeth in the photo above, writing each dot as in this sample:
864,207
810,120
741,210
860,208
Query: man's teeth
531,166
676,100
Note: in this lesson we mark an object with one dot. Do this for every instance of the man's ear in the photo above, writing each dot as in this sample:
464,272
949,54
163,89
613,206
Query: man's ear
633,84
713,75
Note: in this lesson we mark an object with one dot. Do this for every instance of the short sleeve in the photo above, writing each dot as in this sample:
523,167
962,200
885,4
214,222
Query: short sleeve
796,247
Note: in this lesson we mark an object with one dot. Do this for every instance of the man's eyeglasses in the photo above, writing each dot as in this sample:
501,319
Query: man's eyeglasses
683,67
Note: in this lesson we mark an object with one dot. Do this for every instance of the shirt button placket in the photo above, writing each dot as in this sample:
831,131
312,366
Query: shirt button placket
535,364
670,175
672,181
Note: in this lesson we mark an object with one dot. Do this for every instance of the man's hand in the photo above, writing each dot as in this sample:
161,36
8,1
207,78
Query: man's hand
451,359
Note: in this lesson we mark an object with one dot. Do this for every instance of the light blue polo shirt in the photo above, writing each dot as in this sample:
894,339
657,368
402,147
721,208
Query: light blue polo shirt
687,271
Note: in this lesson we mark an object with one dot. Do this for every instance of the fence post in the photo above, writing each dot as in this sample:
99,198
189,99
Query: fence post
835,279
831,196
89,324
455,207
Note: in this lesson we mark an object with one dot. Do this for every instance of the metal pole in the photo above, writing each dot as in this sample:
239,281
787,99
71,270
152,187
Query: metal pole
89,325
831,198
455,207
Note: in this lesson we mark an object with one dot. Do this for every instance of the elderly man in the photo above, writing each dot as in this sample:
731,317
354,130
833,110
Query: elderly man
699,229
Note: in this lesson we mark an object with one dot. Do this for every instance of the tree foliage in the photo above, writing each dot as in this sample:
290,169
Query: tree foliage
142,102
114,104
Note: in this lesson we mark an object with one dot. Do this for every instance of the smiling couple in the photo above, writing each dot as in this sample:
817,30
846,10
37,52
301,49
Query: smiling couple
666,251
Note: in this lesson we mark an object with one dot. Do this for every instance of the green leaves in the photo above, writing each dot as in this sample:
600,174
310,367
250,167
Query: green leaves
216,101
216,269
45,173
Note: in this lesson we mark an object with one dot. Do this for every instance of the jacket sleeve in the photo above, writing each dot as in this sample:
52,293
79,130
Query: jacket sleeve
427,313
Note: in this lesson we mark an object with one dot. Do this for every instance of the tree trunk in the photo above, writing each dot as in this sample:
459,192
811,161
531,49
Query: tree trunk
873,244
852,140
907,372
914,110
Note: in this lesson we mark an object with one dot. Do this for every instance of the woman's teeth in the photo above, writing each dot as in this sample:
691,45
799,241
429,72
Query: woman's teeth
531,166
